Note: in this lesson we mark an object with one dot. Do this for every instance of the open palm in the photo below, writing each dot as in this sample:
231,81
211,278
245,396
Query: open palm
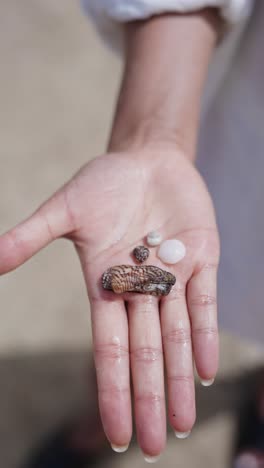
106,210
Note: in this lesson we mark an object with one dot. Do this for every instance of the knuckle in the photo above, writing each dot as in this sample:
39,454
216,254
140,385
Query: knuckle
146,355
52,235
178,335
209,267
44,216
69,212
112,390
181,378
13,239
149,398
144,305
203,300
177,293
111,351
209,331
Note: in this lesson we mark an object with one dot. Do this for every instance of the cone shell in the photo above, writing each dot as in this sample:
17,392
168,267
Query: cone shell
146,279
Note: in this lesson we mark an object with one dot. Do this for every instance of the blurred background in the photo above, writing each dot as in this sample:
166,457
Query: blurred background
57,90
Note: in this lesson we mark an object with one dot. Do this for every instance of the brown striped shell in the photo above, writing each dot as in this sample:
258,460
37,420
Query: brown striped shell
145,279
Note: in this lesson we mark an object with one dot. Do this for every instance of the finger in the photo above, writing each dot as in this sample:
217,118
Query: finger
50,221
177,347
147,372
110,336
201,296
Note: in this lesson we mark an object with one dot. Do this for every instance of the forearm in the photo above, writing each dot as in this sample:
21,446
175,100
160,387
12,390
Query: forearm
166,65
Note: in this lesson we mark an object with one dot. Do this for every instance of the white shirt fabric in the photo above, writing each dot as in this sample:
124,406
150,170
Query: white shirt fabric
230,150
109,15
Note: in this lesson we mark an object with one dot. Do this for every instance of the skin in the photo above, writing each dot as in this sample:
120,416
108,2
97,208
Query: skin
146,181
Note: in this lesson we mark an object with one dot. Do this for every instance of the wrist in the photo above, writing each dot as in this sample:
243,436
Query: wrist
166,64
150,136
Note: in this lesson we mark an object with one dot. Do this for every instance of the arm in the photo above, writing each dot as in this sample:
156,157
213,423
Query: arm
166,65
145,182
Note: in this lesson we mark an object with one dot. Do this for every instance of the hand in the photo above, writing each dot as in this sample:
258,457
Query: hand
106,210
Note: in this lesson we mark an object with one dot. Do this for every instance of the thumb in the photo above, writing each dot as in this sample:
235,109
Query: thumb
50,221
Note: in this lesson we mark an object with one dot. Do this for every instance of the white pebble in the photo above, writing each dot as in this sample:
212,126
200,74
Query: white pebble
154,238
171,251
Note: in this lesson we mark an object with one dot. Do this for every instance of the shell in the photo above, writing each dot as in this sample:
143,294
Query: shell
171,251
147,279
154,238
141,253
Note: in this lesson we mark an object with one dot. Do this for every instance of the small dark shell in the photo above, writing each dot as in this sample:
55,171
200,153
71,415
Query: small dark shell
147,279
141,253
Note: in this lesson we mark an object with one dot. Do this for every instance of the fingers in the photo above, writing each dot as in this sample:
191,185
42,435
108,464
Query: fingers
110,335
201,297
177,347
146,359
49,222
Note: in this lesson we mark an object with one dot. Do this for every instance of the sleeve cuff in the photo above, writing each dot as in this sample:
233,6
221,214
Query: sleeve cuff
108,15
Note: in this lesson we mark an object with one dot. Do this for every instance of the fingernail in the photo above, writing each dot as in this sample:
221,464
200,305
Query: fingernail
119,448
182,435
207,383
150,459
246,460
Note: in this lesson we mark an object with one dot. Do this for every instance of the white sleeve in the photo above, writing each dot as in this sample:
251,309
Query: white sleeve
108,15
